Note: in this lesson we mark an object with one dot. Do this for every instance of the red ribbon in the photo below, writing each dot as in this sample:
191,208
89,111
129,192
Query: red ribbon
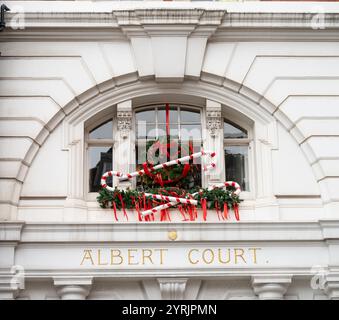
182,213
167,120
163,215
135,203
115,211
217,209
225,210
236,211
204,208
123,206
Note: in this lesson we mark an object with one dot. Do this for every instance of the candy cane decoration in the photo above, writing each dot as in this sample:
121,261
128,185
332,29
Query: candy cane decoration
172,201
159,166
227,184
175,200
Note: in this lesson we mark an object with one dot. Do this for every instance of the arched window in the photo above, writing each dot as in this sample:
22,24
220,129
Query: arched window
158,140
99,143
236,146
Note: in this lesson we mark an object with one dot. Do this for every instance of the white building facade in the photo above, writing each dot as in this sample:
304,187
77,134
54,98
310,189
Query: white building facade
259,82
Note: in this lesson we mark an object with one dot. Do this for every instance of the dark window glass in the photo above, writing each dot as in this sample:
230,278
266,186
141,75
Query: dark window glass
188,116
100,161
173,115
236,165
104,131
231,131
148,116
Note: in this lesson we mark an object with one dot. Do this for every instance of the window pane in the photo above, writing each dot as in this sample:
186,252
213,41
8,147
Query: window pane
148,116
100,161
190,132
104,131
174,133
146,131
236,164
173,115
189,116
233,132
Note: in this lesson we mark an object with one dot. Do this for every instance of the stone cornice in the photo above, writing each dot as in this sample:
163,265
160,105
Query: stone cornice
10,231
100,25
150,232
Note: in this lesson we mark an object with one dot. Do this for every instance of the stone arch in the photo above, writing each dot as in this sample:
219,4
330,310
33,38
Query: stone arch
229,93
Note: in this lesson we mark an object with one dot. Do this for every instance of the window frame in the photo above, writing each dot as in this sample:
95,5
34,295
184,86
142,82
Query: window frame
234,142
237,121
147,107
91,196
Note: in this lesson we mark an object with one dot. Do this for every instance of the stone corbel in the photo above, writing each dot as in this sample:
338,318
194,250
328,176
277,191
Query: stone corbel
124,123
10,285
124,145
213,122
172,289
12,276
332,286
271,287
215,139
73,288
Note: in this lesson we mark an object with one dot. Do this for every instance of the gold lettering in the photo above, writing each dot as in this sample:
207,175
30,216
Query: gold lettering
99,259
190,256
240,255
116,254
228,259
254,254
211,254
161,254
148,256
87,255
130,257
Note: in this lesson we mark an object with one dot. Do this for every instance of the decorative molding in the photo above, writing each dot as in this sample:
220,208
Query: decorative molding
213,122
332,286
73,288
11,231
172,289
229,24
330,228
158,231
10,284
124,123
124,117
73,292
213,117
271,287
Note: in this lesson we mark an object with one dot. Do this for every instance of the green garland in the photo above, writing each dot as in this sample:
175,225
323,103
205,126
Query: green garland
213,197
128,198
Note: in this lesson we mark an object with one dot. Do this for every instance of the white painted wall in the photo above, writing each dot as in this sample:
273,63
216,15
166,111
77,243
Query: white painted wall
286,82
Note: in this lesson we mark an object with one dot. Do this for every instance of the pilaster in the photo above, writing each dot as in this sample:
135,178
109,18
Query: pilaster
271,287
12,276
214,140
123,148
76,288
172,289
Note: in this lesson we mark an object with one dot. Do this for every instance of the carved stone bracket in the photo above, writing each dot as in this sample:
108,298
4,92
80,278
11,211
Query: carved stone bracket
73,288
332,286
271,287
172,289
213,122
124,123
